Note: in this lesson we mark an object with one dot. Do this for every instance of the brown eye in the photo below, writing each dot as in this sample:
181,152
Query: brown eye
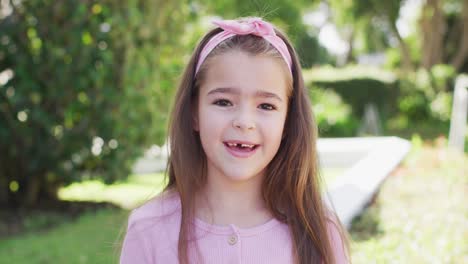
222,102
267,107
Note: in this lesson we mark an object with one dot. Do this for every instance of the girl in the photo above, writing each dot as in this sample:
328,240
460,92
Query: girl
243,176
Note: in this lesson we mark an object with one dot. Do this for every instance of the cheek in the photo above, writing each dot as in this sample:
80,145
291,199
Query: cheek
274,128
209,122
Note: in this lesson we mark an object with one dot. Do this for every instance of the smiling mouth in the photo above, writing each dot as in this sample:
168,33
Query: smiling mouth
241,146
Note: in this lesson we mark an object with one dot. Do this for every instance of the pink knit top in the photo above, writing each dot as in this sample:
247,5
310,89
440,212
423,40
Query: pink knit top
153,232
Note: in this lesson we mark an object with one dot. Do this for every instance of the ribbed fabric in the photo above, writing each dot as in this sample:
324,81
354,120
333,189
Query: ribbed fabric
153,232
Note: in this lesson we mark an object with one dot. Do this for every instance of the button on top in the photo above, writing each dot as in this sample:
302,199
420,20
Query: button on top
232,240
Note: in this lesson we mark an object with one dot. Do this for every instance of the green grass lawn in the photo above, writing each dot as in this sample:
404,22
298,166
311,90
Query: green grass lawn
139,188
420,214
418,217
127,194
93,238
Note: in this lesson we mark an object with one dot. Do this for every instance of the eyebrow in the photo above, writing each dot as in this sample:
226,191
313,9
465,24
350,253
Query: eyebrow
231,90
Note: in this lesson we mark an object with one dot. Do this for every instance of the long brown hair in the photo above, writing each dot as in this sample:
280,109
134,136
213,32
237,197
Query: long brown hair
290,188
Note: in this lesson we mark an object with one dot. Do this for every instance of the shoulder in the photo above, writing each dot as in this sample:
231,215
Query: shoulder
338,238
162,209
152,230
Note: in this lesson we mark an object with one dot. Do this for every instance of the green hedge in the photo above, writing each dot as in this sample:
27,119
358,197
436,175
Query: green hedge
358,86
355,86
418,99
334,117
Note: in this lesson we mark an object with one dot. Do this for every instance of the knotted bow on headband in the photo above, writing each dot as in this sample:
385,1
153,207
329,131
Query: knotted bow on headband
255,26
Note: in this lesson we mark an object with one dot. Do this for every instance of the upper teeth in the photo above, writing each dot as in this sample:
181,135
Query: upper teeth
242,145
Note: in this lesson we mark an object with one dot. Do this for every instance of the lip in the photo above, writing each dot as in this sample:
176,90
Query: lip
240,142
241,154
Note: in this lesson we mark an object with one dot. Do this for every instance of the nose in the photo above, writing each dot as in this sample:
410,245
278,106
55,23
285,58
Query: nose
244,120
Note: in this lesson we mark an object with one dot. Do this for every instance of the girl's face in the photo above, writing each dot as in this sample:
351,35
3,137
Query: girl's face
241,111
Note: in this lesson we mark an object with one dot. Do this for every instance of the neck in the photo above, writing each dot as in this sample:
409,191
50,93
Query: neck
237,203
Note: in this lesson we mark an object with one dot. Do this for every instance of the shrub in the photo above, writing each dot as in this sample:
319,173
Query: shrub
426,95
355,87
81,93
358,86
422,98
333,116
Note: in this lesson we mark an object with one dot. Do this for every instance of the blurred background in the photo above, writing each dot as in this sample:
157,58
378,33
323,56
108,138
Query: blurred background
86,89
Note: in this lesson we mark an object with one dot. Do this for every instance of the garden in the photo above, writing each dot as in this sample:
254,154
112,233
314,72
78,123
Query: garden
86,88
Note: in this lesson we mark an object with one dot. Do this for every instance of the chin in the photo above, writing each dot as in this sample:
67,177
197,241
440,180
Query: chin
240,176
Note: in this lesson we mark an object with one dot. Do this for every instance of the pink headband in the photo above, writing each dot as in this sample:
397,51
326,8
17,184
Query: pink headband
255,26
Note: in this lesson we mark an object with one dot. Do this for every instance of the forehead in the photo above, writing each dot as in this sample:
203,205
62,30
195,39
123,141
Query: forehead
249,73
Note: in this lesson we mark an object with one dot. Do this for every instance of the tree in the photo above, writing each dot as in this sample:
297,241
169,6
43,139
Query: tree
286,14
442,33
371,16
84,92
444,28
